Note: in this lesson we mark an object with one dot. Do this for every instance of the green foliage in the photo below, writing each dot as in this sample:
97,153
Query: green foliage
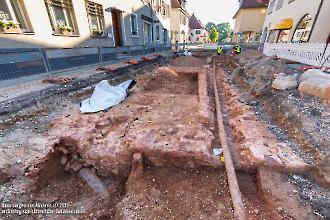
209,26
8,24
3,24
223,29
214,35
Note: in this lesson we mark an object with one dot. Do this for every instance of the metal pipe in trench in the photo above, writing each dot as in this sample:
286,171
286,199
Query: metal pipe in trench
239,210
94,182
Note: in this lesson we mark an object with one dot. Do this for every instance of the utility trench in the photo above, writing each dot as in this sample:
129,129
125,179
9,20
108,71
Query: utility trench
151,156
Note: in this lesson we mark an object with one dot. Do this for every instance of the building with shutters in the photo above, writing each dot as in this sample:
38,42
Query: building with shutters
38,36
84,23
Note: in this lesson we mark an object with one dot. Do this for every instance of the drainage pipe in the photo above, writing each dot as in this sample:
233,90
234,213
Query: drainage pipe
239,210
94,182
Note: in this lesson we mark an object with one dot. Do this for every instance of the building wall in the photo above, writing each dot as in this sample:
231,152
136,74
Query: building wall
250,19
249,22
164,23
179,30
198,38
321,30
296,10
43,36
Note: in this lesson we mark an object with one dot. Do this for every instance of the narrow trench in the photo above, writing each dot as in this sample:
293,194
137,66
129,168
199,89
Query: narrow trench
255,205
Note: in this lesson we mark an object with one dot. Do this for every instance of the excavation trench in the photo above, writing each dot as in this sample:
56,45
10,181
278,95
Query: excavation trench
151,156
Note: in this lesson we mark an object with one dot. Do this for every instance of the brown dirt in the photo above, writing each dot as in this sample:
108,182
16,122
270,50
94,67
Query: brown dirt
300,121
177,194
160,118
187,61
179,177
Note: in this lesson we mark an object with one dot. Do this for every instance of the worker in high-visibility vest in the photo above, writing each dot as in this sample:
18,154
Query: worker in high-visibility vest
219,50
237,49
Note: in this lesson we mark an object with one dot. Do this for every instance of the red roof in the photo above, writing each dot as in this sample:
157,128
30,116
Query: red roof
254,3
194,23
175,4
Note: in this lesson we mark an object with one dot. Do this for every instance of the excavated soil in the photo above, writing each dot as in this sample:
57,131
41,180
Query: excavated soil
187,61
302,122
168,121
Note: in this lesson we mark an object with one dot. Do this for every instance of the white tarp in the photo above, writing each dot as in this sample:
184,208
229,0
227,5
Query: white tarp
105,96
187,53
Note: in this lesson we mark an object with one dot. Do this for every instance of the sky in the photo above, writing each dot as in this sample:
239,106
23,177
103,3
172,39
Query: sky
216,11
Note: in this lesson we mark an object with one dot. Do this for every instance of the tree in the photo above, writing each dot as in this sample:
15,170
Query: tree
209,26
214,35
224,31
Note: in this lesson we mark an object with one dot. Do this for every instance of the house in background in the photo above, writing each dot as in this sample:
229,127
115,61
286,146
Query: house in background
297,21
197,32
249,20
156,26
179,21
71,33
85,23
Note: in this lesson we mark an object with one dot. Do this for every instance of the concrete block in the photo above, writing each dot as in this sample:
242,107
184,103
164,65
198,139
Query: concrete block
316,83
285,82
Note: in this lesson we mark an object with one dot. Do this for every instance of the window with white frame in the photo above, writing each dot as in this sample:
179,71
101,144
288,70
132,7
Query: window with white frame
283,36
183,19
303,29
61,15
165,36
159,6
13,11
157,33
165,9
134,25
95,17
147,33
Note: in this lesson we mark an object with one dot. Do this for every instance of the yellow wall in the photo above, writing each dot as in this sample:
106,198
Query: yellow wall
250,19
177,26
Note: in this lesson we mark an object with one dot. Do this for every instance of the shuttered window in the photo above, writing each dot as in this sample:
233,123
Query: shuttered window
95,17
61,15
134,25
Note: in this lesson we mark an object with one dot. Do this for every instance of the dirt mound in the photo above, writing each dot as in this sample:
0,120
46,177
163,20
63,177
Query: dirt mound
249,56
257,76
187,61
168,81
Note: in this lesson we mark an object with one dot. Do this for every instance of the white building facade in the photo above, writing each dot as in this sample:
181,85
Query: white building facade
197,32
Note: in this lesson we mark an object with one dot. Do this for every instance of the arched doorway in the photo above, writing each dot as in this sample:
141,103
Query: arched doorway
303,29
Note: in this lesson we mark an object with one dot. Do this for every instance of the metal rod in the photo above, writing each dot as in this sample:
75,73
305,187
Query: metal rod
46,62
100,52
239,210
